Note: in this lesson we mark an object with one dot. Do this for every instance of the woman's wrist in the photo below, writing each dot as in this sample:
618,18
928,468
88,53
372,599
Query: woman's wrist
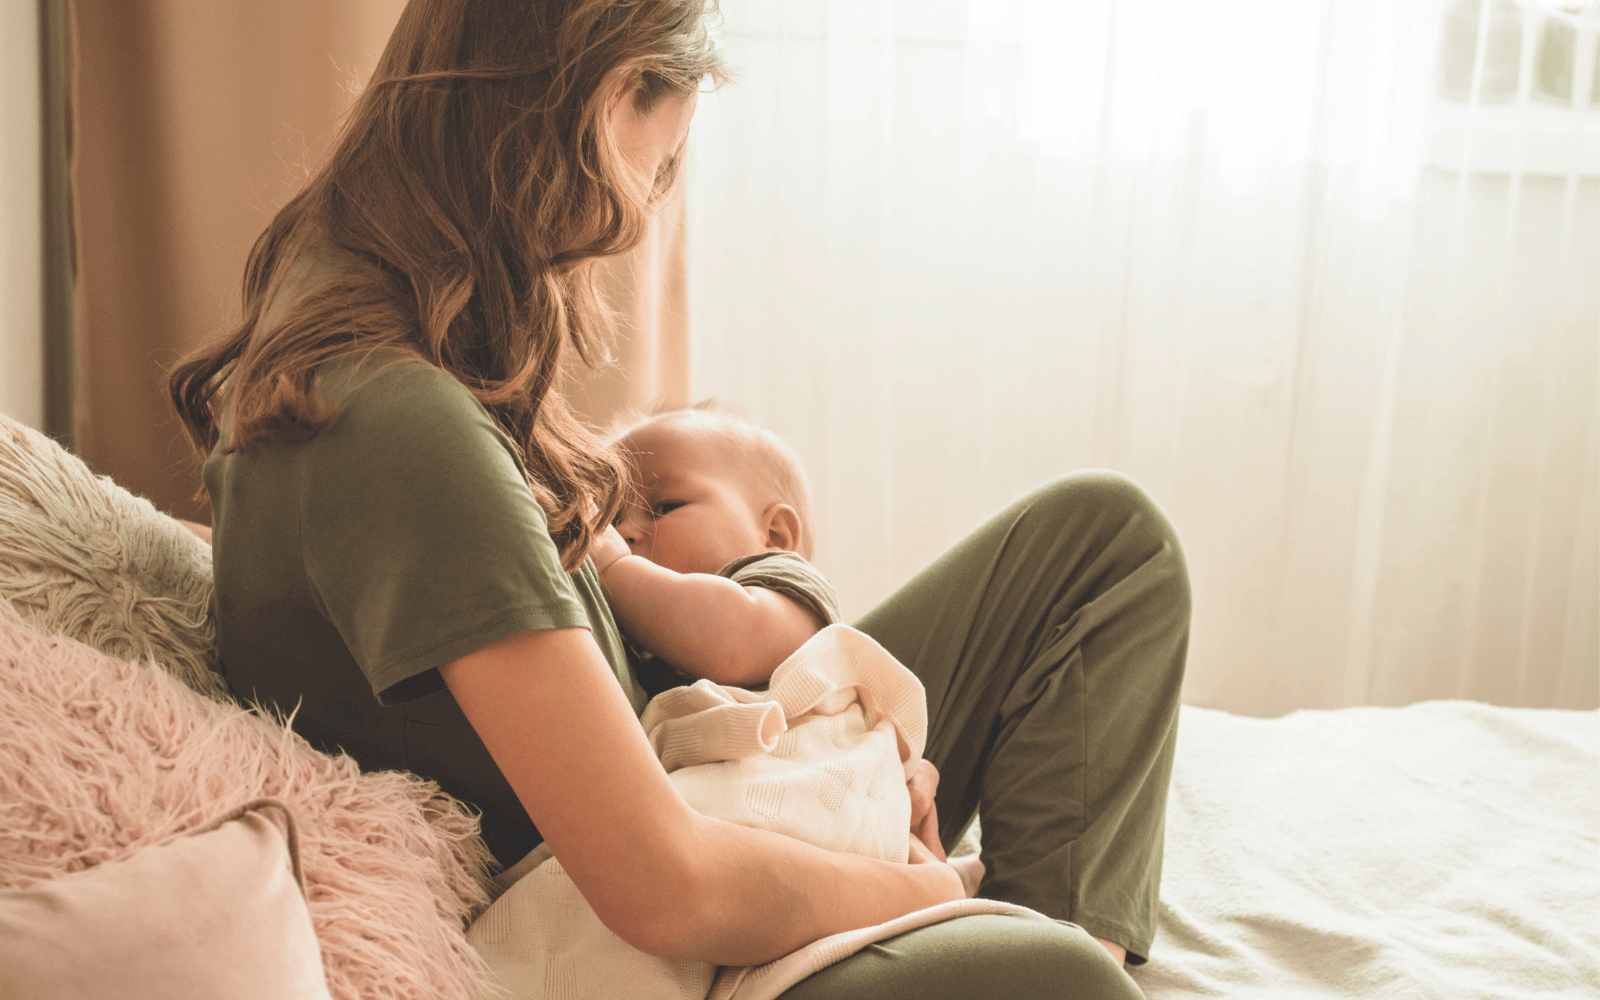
945,882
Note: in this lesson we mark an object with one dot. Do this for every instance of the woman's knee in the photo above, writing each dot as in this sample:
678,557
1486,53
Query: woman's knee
1112,521
1101,498
1023,956
1104,490
1067,954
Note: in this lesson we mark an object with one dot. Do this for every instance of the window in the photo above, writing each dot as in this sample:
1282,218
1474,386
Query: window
1518,88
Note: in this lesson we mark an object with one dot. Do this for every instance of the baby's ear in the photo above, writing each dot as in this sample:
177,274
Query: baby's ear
781,525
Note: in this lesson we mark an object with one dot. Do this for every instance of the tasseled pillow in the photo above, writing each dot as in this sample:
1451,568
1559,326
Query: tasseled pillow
82,557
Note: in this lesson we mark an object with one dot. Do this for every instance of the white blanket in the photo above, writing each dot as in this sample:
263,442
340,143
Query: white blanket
1447,849
823,755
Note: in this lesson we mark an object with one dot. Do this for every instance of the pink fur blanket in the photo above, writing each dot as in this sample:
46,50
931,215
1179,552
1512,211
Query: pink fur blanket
99,757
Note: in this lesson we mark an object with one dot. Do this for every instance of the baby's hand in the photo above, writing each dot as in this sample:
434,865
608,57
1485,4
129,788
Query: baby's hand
607,549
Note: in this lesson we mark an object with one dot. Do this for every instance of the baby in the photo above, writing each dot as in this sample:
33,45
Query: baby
706,575
706,571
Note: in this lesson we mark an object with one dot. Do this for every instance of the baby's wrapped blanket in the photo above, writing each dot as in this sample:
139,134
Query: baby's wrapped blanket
823,755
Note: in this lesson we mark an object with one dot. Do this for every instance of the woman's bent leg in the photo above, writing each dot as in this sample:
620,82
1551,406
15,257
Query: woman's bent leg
1051,642
1016,956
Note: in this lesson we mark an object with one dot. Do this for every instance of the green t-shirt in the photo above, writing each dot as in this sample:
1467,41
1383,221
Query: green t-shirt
349,568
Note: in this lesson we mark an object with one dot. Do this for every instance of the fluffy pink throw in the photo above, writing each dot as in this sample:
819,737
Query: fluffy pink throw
99,757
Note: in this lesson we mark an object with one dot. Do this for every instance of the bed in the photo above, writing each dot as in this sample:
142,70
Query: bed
1445,849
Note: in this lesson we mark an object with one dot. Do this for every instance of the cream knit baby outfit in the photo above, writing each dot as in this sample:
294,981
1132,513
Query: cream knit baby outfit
823,755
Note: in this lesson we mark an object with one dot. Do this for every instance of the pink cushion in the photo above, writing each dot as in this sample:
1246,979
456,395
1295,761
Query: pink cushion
216,914
100,758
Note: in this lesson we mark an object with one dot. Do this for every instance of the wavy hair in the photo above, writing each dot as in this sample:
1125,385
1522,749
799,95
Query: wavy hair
471,187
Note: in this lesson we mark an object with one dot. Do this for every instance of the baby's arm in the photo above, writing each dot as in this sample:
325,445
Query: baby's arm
704,625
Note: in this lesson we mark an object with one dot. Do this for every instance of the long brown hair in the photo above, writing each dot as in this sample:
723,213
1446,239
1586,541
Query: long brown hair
472,185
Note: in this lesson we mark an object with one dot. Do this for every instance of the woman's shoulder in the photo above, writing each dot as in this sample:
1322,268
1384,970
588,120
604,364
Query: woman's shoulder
393,393
392,378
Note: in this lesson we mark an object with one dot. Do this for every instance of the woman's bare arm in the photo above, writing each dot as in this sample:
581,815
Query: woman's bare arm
664,878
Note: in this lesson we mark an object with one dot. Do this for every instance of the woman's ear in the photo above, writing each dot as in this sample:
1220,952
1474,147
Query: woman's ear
621,83
781,526
625,131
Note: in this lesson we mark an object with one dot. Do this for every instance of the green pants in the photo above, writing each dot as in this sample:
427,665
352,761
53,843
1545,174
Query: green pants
1051,642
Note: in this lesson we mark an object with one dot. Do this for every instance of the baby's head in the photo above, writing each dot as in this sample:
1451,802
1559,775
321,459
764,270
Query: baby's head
711,487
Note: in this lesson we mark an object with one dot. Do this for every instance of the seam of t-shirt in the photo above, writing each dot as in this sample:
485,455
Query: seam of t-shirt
471,638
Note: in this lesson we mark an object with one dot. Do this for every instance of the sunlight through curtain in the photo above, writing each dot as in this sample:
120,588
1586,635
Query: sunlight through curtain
1324,278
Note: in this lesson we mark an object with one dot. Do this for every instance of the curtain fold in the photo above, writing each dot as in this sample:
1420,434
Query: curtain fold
59,373
192,123
1337,313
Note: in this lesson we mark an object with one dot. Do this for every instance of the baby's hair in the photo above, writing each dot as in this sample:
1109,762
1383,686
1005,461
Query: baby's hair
783,479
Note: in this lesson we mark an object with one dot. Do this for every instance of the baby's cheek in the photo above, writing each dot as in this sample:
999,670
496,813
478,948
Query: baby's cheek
679,555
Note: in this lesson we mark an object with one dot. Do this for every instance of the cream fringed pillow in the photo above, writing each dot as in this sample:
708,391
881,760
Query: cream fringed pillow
99,758
81,556
216,914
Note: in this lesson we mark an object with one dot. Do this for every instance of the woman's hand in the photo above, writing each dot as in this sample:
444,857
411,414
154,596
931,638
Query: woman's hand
924,784
918,854
925,845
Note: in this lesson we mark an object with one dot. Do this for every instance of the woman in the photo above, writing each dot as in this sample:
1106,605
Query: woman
404,507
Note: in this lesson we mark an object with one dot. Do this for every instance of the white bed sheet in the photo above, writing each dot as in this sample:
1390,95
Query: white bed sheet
1445,849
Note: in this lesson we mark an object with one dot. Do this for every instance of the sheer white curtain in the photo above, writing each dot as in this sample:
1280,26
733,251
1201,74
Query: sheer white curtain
1313,273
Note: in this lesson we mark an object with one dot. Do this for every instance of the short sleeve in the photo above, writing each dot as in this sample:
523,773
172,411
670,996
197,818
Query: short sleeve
422,541
788,574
